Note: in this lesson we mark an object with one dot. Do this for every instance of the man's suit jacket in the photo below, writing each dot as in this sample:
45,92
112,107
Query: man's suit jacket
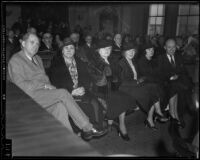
166,70
25,74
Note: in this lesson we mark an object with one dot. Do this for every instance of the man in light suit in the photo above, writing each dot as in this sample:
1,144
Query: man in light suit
26,70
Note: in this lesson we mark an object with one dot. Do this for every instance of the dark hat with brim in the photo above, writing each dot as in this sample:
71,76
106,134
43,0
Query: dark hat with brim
103,44
67,43
129,46
148,46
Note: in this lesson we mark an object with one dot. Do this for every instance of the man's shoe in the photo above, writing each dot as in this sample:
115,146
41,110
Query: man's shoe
94,133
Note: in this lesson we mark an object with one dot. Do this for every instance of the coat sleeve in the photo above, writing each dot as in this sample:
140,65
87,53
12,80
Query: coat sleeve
16,71
97,75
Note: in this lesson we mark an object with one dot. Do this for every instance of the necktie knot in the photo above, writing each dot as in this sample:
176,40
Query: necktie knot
33,61
172,61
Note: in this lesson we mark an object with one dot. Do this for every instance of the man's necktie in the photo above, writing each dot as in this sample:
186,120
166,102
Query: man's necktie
172,61
34,61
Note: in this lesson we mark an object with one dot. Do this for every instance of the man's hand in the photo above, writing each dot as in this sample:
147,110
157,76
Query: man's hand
48,86
175,77
78,91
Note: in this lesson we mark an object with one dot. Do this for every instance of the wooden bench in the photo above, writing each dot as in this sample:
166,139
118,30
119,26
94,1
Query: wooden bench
34,132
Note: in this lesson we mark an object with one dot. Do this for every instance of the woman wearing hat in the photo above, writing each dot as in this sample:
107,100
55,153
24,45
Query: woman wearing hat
116,102
69,72
148,70
133,84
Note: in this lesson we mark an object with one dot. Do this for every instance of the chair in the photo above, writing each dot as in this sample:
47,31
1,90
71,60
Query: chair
46,57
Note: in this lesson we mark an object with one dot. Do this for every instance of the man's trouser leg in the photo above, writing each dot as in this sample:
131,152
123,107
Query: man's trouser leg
59,111
47,98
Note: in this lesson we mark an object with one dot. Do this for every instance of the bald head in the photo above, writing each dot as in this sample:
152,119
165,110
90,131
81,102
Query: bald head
75,37
170,46
32,30
118,38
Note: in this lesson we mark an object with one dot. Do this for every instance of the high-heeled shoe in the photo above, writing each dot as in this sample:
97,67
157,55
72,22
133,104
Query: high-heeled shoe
112,126
169,116
123,136
147,124
179,123
158,118
182,125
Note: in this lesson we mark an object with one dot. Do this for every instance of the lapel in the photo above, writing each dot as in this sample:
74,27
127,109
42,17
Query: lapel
87,47
127,66
169,64
129,69
116,49
39,65
38,62
64,70
167,61
79,68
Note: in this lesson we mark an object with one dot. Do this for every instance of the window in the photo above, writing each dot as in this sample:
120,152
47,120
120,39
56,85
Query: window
188,19
156,19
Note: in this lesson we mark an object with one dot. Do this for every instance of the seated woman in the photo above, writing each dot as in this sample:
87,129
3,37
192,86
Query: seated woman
131,83
148,70
69,72
117,102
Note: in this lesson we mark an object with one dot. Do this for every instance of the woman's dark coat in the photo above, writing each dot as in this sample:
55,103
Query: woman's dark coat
145,94
105,82
60,77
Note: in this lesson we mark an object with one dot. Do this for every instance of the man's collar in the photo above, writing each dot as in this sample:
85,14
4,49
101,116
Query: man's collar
28,56
10,40
88,44
118,45
169,55
48,46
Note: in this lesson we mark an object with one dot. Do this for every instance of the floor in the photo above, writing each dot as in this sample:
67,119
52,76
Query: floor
144,141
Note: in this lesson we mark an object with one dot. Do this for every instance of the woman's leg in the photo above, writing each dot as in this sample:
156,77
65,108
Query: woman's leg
150,116
173,105
158,109
176,107
159,115
122,125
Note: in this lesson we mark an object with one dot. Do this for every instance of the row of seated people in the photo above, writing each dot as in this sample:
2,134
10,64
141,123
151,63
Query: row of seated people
121,77
85,90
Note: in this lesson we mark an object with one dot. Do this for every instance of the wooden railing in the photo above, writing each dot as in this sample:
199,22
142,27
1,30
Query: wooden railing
34,132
